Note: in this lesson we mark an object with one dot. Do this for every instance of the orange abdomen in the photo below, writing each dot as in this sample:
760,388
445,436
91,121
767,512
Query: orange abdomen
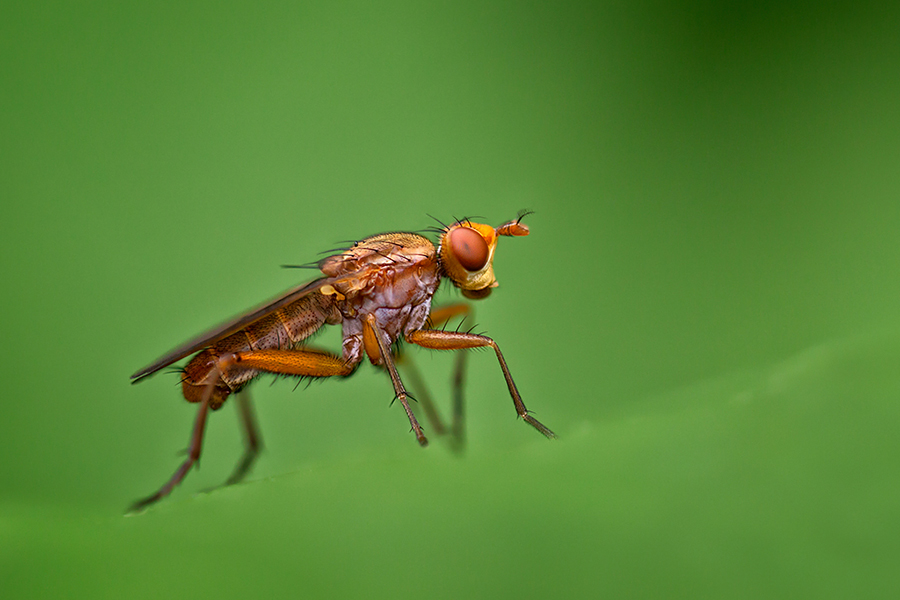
282,329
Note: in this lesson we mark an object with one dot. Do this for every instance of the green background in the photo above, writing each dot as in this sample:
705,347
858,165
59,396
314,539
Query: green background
706,309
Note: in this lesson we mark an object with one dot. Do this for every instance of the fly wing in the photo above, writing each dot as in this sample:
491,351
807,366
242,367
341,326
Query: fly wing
214,335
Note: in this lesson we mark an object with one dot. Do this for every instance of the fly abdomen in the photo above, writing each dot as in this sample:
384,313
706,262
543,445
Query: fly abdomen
286,327
282,329
195,380
302,318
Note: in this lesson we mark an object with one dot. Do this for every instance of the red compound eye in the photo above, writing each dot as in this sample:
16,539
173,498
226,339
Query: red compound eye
469,248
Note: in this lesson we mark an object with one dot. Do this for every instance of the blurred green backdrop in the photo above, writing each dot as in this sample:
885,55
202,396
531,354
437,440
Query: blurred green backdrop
706,310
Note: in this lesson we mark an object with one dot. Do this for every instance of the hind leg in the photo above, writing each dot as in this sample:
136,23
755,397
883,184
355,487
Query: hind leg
304,363
193,455
252,439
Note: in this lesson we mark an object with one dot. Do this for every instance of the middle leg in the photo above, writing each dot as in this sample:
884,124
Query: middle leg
388,361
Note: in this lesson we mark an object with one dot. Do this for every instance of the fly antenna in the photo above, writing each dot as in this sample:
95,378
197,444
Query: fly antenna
522,214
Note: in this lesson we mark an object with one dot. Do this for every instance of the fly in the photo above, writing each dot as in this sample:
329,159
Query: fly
379,291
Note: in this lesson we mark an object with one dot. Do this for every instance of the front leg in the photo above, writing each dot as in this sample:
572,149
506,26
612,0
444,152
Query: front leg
452,340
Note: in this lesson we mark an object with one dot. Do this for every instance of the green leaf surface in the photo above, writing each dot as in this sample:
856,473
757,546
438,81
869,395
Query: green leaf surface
706,310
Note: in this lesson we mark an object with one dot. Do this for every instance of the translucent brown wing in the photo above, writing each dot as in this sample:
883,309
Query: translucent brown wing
214,335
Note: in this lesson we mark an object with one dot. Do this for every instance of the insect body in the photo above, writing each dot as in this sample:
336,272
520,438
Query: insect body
379,291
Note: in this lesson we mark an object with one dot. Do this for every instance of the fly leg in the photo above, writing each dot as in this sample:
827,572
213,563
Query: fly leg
452,340
388,361
306,362
193,454
457,423
252,439
406,364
